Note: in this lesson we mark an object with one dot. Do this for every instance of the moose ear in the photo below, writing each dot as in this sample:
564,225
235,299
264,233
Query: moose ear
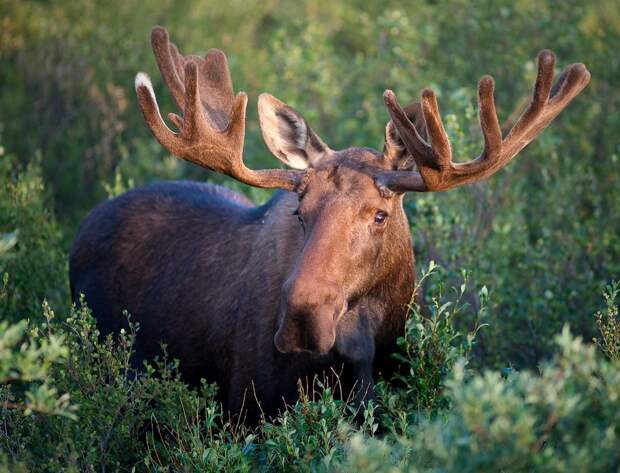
394,149
287,134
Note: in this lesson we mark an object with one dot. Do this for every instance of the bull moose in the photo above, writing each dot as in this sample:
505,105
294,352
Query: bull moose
256,297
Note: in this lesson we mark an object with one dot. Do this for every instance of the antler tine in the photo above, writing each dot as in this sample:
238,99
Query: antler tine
491,129
436,170
152,115
542,87
423,153
547,102
170,62
212,129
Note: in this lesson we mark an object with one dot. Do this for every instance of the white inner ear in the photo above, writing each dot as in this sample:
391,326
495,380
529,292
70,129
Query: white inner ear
296,162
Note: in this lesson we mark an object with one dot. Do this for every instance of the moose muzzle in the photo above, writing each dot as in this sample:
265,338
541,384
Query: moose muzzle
308,318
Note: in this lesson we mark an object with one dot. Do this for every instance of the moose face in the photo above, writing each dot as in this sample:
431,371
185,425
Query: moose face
348,229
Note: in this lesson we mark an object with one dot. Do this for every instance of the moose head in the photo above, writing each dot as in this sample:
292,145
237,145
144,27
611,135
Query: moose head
349,214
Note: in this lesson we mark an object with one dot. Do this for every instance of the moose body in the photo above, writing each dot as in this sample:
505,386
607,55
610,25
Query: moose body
217,306
316,280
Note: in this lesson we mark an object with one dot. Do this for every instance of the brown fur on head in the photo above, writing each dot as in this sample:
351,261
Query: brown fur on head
350,227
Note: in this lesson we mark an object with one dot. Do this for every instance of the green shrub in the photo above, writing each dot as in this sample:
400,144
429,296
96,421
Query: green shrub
35,267
308,436
431,345
26,359
114,412
436,416
565,419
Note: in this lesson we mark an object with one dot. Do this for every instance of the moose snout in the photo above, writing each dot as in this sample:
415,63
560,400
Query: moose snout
308,321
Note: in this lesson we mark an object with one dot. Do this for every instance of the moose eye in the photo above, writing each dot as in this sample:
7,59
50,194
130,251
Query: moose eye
380,217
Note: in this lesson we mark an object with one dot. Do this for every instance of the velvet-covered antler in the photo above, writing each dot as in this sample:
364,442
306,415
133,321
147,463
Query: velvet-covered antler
435,169
212,129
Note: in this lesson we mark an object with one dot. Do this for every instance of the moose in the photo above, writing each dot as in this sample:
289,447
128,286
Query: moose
256,298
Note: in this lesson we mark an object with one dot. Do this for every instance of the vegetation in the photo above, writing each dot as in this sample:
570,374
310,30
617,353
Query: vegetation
494,380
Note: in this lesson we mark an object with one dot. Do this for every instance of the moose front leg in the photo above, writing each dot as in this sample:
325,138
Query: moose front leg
355,343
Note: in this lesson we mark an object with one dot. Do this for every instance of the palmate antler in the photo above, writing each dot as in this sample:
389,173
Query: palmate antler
435,169
212,129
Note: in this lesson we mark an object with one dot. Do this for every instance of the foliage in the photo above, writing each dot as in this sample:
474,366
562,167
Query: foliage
32,260
27,356
25,362
116,409
564,419
431,346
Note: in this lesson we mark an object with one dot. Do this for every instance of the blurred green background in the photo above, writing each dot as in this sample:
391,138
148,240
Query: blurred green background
544,234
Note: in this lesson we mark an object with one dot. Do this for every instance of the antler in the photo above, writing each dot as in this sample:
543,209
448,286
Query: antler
212,129
436,170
